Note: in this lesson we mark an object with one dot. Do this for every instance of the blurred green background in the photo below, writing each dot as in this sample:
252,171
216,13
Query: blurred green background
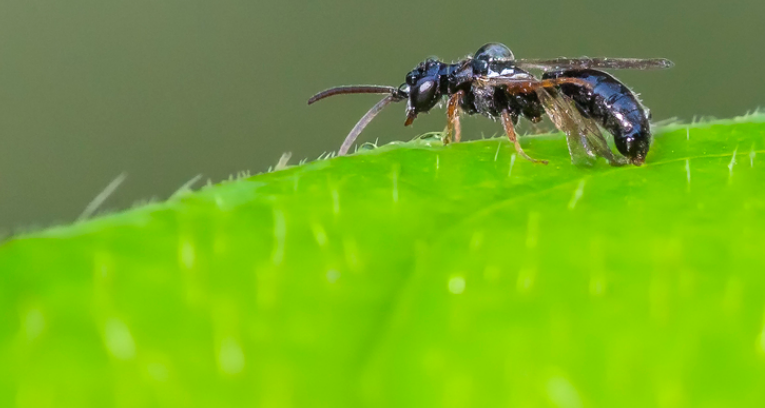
166,90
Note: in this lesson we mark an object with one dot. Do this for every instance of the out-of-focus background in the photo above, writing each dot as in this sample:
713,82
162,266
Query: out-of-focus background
166,90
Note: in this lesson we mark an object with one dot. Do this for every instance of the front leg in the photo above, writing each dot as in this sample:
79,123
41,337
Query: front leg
453,116
507,123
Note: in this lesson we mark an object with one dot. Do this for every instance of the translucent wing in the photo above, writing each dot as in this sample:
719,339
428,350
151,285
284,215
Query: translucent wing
556,64
585,141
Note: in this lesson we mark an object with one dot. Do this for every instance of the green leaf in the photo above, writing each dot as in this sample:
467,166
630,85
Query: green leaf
411,275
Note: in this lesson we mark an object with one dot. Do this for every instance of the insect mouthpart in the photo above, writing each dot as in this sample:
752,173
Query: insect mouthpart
411,115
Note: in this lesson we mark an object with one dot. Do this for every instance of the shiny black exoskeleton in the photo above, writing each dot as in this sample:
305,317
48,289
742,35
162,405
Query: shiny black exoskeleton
614,106
433,79
575,95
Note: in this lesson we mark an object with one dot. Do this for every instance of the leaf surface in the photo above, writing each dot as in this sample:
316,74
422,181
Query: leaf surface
411,275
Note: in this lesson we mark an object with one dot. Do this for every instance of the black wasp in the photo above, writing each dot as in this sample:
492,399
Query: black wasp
573,92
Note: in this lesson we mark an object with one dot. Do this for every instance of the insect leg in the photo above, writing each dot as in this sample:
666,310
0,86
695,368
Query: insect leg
584,139
507,123
453,114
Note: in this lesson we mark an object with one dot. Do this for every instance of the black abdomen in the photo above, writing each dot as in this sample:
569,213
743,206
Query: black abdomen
615,106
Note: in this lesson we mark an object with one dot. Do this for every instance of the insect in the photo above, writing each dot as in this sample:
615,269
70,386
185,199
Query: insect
574,93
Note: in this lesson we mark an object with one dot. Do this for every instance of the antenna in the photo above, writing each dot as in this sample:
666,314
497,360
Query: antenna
358,89
363,122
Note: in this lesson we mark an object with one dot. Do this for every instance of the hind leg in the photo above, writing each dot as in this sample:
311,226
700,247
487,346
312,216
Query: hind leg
507,123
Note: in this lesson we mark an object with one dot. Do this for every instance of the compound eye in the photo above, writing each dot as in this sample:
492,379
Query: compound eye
424,93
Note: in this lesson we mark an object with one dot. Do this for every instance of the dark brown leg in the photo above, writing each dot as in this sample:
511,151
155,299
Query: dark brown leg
507,123
453,115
